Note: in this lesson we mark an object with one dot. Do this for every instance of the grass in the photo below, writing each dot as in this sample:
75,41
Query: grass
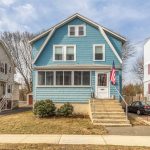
66,147
27,123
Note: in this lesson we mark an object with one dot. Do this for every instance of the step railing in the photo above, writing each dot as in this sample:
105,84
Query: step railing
3,102
126,105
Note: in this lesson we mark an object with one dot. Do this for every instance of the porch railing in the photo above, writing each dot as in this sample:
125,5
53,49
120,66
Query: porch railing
3,102
126,105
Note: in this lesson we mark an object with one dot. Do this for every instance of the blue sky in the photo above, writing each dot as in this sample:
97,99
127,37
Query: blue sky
130,18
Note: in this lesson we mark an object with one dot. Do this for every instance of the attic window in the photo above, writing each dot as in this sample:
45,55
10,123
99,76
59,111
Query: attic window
76,30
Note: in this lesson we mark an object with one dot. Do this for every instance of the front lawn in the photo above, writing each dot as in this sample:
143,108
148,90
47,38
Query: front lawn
66,147
27,123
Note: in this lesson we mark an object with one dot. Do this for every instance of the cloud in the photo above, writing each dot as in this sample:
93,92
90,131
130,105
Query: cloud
7,2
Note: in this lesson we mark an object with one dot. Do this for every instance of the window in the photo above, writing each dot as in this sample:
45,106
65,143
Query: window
67,78
77,78
86,78
70,51
63,78
149,69
59,77
10,70
72,31
76,30
81,30
2,67
102,79
49,78
64,52
9,89
149,88
5,68
41,78
58,53
99,52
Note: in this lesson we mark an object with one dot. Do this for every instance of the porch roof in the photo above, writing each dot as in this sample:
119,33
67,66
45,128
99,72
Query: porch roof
76,67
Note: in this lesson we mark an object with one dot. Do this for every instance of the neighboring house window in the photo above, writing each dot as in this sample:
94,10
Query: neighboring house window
149,69
41,78
5,68
149,88
99,52
76,30
2,68
9,90
10,70
64,52
64,78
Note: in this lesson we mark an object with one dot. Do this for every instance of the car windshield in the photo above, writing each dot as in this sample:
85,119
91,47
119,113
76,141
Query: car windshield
146,103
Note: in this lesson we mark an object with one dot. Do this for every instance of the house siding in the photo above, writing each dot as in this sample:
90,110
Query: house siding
84,46
84,55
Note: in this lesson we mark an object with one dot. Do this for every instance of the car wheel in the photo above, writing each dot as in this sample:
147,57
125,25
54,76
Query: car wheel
138,112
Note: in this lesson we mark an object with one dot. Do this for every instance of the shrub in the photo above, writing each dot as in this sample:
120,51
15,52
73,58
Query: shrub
65,110
44,108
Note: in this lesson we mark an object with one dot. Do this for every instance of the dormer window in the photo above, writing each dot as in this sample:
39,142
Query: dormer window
76,30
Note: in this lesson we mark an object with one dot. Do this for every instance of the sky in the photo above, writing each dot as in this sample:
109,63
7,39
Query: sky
130,18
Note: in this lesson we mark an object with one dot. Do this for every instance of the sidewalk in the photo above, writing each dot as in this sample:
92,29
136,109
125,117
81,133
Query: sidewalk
76,139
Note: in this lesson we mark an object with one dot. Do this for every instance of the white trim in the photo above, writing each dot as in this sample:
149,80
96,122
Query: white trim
72,17
44,44
54,79
103,45
64,49
110,44
77,30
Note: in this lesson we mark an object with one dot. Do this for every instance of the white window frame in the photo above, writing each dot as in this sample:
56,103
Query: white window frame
54,79
77,30
94,45
64,48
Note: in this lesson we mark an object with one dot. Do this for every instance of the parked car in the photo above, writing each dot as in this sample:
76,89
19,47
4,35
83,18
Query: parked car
139,107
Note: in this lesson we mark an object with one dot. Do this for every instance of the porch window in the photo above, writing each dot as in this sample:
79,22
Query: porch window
86,78
99,52
41,78
67,77
49,78
59,77
77,78
58,53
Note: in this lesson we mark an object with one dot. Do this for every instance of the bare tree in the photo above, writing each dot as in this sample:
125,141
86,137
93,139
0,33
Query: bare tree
128,52
20,50
138,68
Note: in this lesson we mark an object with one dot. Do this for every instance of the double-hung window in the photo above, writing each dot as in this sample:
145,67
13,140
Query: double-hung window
99,52
76,30
64,53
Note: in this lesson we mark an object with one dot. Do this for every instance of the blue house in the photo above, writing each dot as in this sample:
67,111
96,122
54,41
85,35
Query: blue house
72,62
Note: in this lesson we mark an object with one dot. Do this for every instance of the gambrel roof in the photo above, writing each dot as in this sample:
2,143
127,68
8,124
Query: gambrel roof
102,29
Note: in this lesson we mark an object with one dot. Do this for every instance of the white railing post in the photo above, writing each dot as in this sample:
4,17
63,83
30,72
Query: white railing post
123,101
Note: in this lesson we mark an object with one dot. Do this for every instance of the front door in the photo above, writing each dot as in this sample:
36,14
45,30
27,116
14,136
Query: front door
102,85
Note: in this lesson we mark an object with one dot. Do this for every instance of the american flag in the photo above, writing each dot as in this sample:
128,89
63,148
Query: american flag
113,74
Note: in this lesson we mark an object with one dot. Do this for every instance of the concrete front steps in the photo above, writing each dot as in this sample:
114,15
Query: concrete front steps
107,112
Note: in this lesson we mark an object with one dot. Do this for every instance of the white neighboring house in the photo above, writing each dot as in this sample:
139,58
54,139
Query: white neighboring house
7,83
147,69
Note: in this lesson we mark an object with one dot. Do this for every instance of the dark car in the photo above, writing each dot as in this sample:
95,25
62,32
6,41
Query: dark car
139,107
